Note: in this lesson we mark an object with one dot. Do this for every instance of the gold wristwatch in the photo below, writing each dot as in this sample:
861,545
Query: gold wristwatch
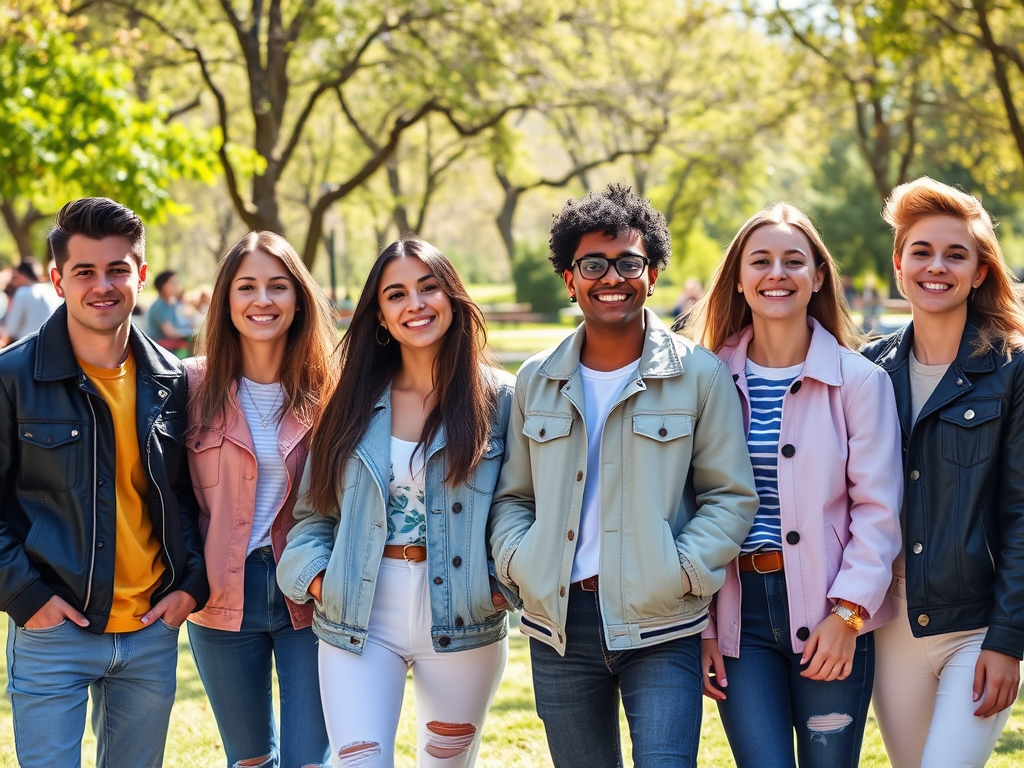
849,615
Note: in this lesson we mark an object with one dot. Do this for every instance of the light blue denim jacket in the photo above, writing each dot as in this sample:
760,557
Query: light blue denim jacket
349,542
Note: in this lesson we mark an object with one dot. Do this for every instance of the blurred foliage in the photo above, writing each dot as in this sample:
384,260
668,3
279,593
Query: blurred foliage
536,282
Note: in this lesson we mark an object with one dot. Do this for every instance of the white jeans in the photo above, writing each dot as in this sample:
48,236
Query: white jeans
362,695
923,696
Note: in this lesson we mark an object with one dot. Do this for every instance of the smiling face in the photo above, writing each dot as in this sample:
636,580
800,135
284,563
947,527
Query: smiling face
262,299
100,283
412,306
937,267
611,300
777,273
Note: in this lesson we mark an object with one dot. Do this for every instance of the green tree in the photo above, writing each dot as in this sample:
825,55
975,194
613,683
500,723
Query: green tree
70,126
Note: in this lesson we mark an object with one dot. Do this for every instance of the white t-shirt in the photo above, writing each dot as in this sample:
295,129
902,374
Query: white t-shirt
600,390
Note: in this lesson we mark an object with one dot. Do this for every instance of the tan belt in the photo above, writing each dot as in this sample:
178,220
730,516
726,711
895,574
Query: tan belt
414,553
762,562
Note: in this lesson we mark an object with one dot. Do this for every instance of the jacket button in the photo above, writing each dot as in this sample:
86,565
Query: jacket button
914,475
662,431
444,642
74,433
959,382
969,414
571,535
542,432
918,548
796,387
457,507
99,545
923,619
561,591
100,482
803,633
47,439
735,377
458,621
579,475
456,561
788,451
792,537
198,443
162,393
438,580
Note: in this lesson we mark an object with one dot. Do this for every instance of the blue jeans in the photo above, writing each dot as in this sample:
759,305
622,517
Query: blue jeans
578,695
236,669
768,700
132,678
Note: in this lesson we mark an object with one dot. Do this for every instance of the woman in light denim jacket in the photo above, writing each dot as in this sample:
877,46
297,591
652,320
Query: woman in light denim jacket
390,540
793,620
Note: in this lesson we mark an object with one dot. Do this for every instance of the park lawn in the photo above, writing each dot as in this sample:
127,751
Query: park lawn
513,735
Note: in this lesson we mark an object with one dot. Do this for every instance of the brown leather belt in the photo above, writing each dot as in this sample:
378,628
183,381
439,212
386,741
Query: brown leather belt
762,562
414,553
587,585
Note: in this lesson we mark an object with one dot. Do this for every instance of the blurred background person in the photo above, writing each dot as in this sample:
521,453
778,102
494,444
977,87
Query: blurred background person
32,302
165,323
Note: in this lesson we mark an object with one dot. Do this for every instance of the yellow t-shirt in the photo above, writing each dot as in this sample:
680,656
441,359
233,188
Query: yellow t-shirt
137,563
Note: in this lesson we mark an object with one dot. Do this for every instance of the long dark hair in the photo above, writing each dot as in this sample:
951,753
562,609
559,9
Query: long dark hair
308,370
464,399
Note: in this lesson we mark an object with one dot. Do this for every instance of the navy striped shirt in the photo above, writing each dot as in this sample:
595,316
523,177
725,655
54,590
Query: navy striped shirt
766,388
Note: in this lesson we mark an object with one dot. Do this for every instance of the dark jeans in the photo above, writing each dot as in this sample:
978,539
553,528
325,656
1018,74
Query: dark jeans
768,700
578,695
236,669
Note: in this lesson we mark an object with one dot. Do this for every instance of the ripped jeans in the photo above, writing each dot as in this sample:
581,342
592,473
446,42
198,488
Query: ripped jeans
362,694
768,700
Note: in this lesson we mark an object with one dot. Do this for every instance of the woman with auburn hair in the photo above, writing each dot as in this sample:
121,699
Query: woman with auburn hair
391,541
789,648
266,364
949,664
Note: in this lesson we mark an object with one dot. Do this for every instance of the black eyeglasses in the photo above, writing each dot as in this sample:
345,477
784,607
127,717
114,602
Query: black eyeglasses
595,267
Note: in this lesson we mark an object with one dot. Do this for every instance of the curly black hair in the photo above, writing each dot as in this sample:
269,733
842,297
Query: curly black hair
612,212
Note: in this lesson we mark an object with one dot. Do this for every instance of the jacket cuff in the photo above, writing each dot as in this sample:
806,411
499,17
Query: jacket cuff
1006,640
27,603
506,557
195,584
300,592
511,596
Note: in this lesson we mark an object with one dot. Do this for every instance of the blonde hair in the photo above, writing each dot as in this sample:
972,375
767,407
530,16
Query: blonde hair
723,311
1001,315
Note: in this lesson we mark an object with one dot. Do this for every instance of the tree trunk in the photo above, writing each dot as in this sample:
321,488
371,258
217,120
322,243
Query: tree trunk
20,227
505,219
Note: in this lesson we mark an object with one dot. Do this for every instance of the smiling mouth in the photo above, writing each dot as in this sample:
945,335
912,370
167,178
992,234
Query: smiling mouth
419,322
777,293
611,298
263,318
106,303
941,287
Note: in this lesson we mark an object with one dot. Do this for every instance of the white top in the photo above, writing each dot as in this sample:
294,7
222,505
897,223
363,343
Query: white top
261,403
406,508
31,306
600,390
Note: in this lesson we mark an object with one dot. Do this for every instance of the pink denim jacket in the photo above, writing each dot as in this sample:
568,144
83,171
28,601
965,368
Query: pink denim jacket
839,493
222,461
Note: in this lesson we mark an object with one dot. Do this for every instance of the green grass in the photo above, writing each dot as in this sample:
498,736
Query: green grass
513,735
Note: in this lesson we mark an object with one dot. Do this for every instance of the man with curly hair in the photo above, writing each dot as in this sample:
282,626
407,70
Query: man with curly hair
626,489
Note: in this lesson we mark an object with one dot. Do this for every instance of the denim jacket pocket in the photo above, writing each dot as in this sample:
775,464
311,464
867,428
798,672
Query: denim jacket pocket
205,465
969,431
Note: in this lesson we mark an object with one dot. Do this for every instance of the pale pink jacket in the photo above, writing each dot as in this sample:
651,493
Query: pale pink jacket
222,460
839,493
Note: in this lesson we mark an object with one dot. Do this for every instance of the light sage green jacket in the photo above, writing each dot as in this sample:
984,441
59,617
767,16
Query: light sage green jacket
677,491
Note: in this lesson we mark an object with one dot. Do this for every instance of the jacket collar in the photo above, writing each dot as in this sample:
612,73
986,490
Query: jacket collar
823,362
659,358
898,354
55,357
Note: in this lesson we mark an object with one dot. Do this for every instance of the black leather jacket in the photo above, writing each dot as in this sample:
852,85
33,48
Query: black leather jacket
963,498
57,489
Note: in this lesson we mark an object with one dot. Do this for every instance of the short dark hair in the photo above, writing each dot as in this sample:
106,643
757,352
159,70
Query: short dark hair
161,280
612,212
95,218
30,268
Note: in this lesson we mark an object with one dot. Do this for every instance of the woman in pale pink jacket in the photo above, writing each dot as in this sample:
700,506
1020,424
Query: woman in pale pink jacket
789,645
268,344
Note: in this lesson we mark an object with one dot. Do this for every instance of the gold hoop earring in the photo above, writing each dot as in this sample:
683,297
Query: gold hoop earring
376,336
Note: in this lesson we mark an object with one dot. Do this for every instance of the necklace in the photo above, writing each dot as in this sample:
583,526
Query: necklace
264,420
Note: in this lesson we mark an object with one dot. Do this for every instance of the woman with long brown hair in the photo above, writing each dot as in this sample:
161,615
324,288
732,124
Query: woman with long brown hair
266,363
948,665
789,649
391,542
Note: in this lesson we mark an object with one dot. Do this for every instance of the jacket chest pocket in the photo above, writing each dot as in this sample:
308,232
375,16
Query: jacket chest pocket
545,427
204,459
49,455
663,427
969,431
485,476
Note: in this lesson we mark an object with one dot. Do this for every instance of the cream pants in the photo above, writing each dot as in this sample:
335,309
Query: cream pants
923,696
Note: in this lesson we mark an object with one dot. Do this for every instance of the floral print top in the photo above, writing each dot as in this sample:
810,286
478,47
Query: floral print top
406,509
